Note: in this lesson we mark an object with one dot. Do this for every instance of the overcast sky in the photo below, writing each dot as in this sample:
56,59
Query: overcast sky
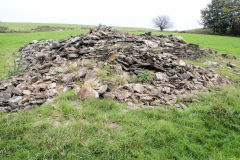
185,14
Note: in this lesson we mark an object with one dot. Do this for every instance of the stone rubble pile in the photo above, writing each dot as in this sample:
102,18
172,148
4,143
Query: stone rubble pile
104,64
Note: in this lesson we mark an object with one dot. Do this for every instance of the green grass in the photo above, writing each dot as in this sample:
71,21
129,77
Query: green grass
100,129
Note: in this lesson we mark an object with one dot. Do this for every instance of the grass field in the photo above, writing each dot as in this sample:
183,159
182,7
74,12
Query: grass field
104,129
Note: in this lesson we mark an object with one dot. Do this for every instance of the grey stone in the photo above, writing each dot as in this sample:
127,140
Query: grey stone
68,78
15,99
34,79
231,65
161,76
118,69
26,92
87,93
138,88
55,45
82,72
102,89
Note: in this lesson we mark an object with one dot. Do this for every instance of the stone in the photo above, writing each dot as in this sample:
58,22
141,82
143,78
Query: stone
75,39
186,76
109,95
151,44
187,99
231,65
91,75
181,63
102,89
34,79
52,85
139,88
118,69
52,92
82,72
166,89
68,78
90,78
15,99
228,56
161,76
212,64
35,41
122,95
87,93
41,56
55,45
73,55
26,92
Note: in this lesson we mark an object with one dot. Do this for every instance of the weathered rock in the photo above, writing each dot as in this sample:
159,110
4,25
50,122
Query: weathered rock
118,69
102,89
122,95
212,64
55,45
109,95
68,78
138,88
231,65
34,79
228,56
26,92
151,44
82,72
161,76
87,93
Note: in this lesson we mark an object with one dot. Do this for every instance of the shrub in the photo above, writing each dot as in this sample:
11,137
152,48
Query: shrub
144,77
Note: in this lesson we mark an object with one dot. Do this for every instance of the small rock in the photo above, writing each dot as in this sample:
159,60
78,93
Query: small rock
231,65
52,85
102,89
109,95
34,79
68,78
52,92
91,75
212,64
151,44
122,95
55,45
138,88
15,99
82,72
118,69
87,93
161,76
181,63
73,55
187,99
26,92
75,39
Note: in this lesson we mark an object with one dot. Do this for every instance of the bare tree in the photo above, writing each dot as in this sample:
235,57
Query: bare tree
162,22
